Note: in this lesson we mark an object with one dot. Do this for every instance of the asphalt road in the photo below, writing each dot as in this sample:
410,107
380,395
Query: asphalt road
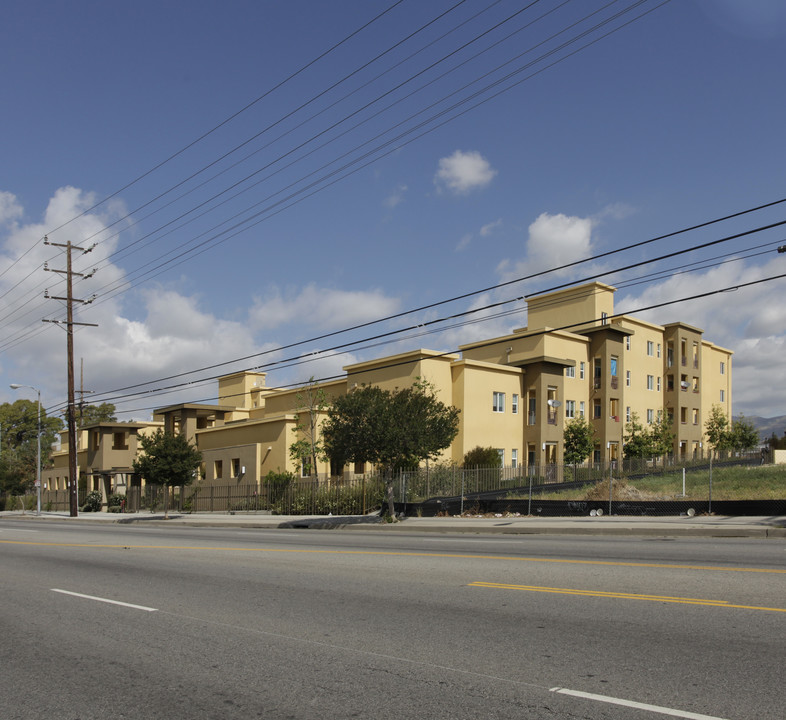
141,622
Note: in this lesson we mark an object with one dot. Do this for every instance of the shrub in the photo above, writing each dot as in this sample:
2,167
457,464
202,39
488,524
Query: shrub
114,503
92,502
278,483
480,457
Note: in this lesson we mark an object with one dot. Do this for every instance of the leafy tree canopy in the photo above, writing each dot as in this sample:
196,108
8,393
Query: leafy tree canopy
579,440
19,444
654,440
395,429
167,459
311,402
482,457
92,414
744,435
717,429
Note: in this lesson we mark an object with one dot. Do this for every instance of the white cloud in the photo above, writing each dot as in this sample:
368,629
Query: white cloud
312,306
489,228
464,243
141,335
464,171
552,241
749,321
10,209
396,197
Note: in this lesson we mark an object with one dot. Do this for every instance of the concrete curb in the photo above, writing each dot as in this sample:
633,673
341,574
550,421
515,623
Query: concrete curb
624,526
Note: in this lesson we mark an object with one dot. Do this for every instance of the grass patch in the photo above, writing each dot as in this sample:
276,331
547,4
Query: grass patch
758,482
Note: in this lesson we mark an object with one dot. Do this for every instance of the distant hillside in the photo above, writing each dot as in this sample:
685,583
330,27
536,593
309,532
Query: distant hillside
767,426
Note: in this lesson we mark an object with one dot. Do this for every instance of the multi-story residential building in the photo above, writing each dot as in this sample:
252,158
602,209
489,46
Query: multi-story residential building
575,358
105,456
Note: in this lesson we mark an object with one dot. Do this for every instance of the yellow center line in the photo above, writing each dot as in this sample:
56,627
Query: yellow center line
392,553
622,596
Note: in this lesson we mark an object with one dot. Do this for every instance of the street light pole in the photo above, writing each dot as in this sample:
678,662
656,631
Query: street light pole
16,386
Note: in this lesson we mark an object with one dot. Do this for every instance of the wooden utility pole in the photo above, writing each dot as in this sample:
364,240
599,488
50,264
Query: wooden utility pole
73,470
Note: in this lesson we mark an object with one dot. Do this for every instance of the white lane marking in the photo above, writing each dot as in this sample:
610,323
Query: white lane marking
105,600
633,704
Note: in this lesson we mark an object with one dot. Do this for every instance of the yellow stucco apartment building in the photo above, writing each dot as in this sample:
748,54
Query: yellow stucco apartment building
516,393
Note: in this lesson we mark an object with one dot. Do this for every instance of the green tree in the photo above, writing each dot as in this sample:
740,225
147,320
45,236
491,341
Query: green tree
718,430
167,459
395,430
579,441
19,443
311,403
637,440
662,435
482,457
92,414
744,435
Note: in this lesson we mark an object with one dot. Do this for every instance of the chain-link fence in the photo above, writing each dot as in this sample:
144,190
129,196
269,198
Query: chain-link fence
736,485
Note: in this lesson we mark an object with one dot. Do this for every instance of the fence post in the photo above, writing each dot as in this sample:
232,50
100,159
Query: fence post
611,479
709,506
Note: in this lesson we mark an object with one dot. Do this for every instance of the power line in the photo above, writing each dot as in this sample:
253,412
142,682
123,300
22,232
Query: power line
489,306
239,227
535,333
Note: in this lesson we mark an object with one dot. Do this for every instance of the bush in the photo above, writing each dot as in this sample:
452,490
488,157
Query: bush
92,502
114,503
480,457
278,483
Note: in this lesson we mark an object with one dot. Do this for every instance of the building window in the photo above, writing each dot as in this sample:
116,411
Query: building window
581,370
723,368
650,348
514,404
570,371
498,404
235,467
695,416
695,384
683,415
658,385
514,458
650,416
570,409
218,469
596,408
614,410
627,342
723,396
581,408
658,349
305,466
501,454
627,414
650,382
551,402
360,468
604,318
627,378
532,415
119,441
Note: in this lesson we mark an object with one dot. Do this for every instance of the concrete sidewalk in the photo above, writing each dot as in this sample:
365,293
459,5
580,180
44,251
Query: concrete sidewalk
669,526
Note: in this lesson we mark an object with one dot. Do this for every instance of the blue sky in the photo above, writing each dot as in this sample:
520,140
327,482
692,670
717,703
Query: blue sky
371,157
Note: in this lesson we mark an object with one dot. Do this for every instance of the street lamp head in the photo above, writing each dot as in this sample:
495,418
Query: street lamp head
15,386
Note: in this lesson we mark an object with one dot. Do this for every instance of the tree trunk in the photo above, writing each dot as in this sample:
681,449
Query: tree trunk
389,492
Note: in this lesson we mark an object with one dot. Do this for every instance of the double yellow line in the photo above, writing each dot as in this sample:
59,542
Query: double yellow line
622,596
